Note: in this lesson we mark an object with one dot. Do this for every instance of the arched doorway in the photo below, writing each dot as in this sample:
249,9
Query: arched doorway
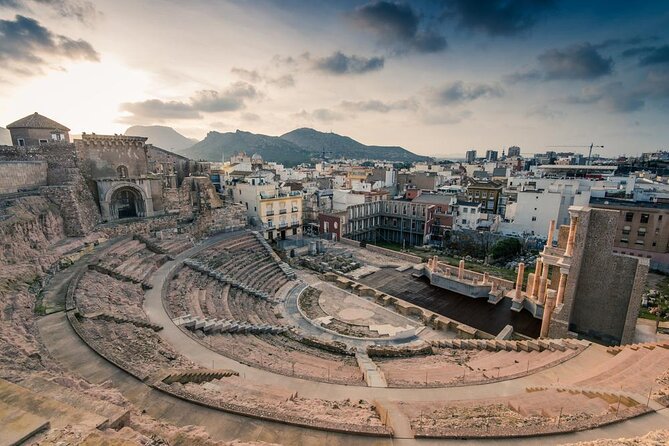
127,202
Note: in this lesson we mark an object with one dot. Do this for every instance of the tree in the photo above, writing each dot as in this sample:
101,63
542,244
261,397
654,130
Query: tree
506,247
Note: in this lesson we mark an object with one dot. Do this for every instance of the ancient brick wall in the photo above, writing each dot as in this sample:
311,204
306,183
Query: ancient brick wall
22,175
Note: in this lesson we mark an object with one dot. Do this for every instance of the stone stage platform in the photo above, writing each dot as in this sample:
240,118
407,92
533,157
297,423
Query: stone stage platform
477,313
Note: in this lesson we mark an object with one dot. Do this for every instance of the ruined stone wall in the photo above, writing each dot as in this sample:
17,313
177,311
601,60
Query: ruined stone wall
224,219
22,175
603,290
28,225
75,203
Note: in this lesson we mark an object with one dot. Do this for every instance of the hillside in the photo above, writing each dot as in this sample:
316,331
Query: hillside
345,147
161,136
216,146
294,147
5,138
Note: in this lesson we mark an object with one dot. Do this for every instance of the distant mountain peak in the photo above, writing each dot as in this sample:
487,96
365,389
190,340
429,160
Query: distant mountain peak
162,136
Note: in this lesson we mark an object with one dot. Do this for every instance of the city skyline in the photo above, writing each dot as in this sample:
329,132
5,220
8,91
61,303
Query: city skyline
435,78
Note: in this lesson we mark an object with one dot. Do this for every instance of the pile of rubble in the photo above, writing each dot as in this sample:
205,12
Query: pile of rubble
326,263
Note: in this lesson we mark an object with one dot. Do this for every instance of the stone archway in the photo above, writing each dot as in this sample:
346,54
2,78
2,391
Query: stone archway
127,202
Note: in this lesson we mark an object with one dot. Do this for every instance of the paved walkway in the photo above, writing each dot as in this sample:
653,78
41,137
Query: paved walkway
74,354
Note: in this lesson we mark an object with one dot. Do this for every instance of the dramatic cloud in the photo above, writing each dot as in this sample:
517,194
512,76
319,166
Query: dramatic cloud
575,62
83,11
339,63
375,105
638,51
320,114
612,97
497,17
397,26
285,81
209,101
254,77
247,75
659,55
155,109
581,61
25,46
459,92
231,99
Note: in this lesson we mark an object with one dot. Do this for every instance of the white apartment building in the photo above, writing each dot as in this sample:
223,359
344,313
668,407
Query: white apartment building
467,215
540,200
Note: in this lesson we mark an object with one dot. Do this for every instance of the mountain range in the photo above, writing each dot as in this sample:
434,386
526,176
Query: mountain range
295,147
161,136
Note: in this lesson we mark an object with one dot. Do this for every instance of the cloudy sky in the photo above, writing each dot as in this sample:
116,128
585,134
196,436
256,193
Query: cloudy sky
437,77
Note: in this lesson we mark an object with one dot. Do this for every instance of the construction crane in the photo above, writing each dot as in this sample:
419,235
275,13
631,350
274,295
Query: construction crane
586,147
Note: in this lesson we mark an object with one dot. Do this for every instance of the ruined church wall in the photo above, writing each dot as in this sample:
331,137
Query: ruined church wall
22,175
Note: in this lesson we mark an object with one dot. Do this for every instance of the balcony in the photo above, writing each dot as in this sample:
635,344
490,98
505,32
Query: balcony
294,209
282,211
283,225
269,213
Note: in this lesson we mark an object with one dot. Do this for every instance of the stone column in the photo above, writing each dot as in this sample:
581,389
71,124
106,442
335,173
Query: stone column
560,290
548,311
519,281
537,278
543,283
551,232
572,236
486,278
461,270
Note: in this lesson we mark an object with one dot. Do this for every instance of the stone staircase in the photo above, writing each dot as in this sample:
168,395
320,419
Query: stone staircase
118,276
221,277
648,345
152,246
625,398
373,375
287,270
122,320
496,345
214,326
197,376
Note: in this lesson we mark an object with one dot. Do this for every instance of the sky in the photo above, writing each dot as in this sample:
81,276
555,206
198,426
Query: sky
436,77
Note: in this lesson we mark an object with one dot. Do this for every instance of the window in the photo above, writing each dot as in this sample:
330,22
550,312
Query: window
626,230
659,217
629,216
43,141
644,218
641,232
21,141
639,242
624,240
534,218
465,210
122,171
